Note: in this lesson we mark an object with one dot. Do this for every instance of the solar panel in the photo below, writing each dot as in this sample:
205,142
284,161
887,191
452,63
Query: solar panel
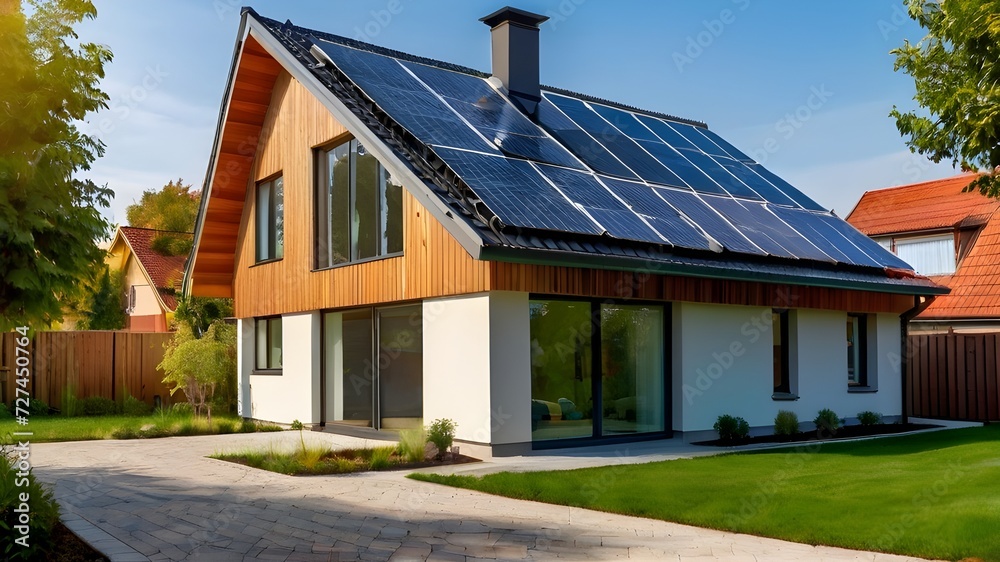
644,200
701,141
731,150
665,133
579,142
690,175
625,122
763,188
787,188
883,257
719,174
405,99
516,192
710,220
765,229
824,236
598,202
489,113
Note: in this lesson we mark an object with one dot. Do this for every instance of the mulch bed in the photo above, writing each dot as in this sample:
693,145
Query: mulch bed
846,432
68,547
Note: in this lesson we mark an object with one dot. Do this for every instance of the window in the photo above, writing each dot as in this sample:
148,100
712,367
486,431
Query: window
929,255
781,350
857,350
270,219
268,343
359,207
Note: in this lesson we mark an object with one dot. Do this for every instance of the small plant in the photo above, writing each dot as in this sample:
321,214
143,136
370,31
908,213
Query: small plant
296,424
732,428
869,418
380,456
132,406
98,406
827,420
412,443
441,432
786,423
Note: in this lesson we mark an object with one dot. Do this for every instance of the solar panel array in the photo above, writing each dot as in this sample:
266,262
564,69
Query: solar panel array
592,169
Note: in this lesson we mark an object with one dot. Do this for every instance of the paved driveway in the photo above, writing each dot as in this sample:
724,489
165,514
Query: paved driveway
163,500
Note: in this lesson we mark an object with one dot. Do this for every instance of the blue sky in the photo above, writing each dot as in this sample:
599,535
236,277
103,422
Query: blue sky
804,87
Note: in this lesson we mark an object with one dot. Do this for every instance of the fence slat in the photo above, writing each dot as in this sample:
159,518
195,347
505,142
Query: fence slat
954,376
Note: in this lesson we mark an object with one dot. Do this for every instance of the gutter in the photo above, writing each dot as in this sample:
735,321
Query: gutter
904,343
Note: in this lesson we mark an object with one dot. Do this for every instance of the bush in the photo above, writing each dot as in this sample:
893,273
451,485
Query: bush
786,423
441,432
869,418
732,428
38,407
380,458
5,413
132,406
827,420
412,443
43,512
98,406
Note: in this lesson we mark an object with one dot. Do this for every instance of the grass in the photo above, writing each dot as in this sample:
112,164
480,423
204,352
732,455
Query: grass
931,495
48,429
312,459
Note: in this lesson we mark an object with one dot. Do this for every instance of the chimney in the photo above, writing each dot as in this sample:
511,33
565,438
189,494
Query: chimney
515,53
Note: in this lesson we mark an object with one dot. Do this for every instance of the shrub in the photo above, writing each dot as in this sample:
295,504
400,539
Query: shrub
869,418
827,420
441,432
43,512
5,413
98,406
412,443
38,407
732,428
132,406
200,365
786,423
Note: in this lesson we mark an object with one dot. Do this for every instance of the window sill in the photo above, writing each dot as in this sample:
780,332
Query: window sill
266,372
861,390
265,262
784,397
356,262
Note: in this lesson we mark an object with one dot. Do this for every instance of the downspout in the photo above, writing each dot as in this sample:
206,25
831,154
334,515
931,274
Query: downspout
920,303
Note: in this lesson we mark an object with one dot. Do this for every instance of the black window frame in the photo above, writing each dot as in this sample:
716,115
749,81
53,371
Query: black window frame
783,390
268,251
861,337
267,369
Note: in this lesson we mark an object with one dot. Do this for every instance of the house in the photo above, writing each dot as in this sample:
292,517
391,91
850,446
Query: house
948,234
407,239
151,279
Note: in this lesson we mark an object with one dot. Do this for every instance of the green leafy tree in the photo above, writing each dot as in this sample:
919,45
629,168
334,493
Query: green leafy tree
49,218
173,208
956,68
201,366
198,313
102,306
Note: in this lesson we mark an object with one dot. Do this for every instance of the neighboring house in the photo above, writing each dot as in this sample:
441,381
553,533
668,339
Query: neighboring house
948,234
406,239
152,280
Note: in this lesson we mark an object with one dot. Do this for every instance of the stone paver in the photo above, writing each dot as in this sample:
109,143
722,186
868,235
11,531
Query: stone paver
162,499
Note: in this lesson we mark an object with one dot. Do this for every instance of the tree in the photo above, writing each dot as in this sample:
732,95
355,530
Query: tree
198,313
49,218
102,303
173,208
200,366
956,68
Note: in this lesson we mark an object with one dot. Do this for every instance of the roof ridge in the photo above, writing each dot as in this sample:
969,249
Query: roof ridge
153,229
921,183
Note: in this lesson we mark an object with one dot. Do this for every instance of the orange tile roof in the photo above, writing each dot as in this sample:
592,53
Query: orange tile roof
975,285
164,271
929,205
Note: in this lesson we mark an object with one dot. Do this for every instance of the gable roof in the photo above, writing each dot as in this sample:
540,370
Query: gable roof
938,205
926,206
581,182
163,272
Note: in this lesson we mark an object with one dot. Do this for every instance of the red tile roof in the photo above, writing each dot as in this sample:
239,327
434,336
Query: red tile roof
164,271
930,205
975,285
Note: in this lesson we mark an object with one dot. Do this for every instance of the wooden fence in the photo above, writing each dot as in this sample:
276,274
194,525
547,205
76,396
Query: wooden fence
954,376
108,364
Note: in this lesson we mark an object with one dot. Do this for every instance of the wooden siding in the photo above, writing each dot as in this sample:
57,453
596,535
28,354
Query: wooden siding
954,376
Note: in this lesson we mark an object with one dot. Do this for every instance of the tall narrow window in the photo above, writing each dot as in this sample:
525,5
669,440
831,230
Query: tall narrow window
268,343
782,372
857,350
359,208
270,219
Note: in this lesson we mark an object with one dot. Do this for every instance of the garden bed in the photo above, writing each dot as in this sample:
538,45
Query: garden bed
846,432
67,547
312,461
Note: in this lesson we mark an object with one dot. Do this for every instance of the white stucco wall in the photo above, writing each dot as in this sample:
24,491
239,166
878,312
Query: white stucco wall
294,394
477,366
244,365
145,295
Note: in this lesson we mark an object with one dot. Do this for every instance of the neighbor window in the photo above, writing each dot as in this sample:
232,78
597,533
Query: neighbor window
270,219
359,207
781,350
929,255
857,350
268,343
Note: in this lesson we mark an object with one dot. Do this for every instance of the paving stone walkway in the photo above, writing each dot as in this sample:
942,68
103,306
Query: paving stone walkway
162,499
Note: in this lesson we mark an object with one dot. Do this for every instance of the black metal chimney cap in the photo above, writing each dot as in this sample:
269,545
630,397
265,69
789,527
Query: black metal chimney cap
513,15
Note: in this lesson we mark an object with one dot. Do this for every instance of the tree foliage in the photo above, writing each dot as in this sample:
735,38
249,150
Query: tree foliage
49,218
198,313
201,366
102,304
956,68
174,208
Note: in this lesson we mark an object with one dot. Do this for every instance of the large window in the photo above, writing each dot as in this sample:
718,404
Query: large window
271,219
359,207
857,350
597,369
929,255
268,343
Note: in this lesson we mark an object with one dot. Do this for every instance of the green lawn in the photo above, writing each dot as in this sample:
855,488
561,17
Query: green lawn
934,495
47,429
